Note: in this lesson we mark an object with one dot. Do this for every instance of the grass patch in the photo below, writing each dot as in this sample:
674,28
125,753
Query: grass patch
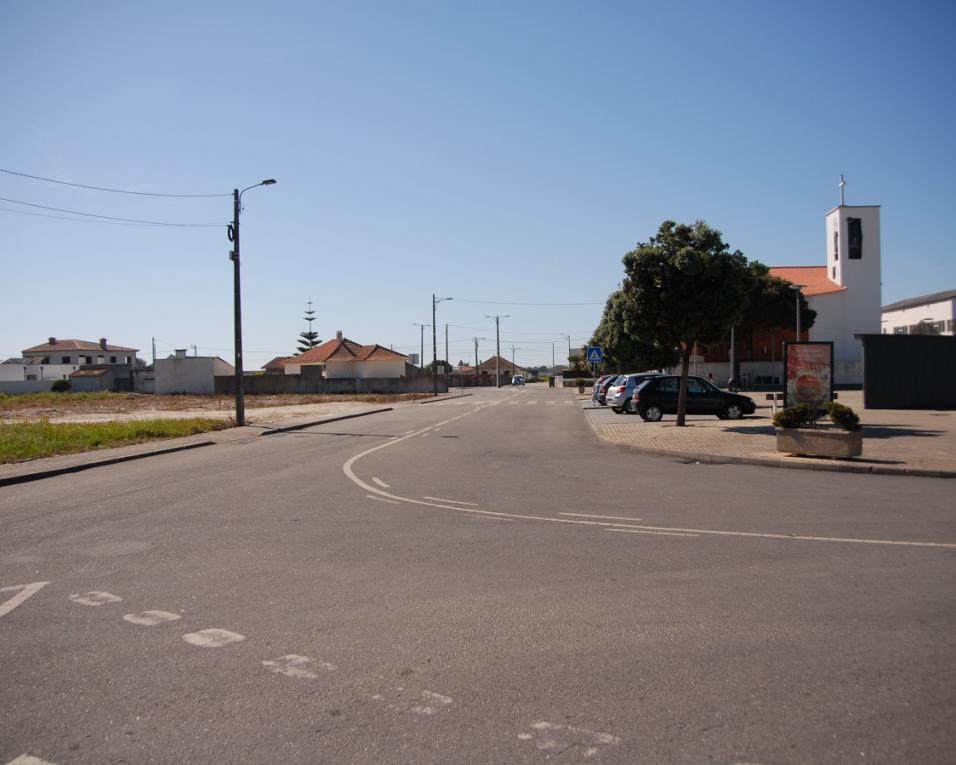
21,441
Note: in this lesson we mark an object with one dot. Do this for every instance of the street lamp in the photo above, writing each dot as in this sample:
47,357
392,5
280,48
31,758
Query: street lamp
569,347
796,290
498,346
435,302
421,358
233,233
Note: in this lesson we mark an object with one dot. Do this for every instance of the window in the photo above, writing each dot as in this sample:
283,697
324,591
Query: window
694,386
949,325
112,359
65,360
668,385
45,360
836,245
855,234
900,330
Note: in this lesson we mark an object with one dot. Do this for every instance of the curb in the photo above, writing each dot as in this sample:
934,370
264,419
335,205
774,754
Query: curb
845,467
36,476
303,425
445,398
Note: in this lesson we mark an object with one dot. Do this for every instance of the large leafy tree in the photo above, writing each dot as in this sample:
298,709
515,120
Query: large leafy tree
682,287
624,349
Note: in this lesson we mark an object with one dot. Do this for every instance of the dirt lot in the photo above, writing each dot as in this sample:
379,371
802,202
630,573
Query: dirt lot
87,407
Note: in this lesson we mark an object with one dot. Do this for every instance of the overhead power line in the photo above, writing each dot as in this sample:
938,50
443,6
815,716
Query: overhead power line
113,218
112,191
501,302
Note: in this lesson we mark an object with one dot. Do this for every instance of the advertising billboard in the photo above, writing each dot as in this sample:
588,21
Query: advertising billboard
809,374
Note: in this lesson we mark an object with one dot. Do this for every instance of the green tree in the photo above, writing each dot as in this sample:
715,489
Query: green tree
308,339
682,287
624,349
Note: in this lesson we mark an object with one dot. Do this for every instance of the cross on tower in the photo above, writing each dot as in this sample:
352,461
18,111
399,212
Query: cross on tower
841,184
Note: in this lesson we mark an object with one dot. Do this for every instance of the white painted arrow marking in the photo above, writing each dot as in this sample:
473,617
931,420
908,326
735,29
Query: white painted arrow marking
23,591
151,618
213,638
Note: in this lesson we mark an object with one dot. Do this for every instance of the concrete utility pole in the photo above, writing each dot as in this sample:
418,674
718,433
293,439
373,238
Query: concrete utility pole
233,232
475,382
435,302
421,358
796,290
498,346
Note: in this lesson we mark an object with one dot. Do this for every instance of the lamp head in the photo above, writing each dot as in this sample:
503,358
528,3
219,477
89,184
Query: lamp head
268,182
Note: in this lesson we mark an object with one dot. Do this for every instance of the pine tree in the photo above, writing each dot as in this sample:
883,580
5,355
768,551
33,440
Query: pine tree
308,339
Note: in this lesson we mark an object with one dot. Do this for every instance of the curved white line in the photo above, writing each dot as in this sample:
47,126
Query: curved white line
350,474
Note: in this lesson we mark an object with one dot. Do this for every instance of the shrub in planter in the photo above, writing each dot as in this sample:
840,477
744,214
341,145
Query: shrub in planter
60,386
580,383
797,432
842,416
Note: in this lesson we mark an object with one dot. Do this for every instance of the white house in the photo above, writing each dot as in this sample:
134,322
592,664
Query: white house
57,359
343,358
932,314
189,374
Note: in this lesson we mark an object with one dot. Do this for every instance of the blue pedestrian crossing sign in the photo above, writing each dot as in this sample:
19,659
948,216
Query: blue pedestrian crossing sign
595,354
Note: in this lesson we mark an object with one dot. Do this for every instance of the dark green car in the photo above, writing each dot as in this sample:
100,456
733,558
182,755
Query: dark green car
658,397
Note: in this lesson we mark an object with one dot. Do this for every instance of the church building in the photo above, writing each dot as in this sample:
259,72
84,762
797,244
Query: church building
845,292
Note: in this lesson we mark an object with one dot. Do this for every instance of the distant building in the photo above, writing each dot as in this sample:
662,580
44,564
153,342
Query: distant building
180,373
932,314
59,359
343,358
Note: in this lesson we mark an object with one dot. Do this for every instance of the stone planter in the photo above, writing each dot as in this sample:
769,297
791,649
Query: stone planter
820,442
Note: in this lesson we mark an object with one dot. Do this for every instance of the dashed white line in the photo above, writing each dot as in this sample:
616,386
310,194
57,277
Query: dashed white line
604,517
293,665
213,638
660,533
382,499
95,598
151,618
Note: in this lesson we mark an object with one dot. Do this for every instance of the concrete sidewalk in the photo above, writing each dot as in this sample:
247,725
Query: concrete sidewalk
897,442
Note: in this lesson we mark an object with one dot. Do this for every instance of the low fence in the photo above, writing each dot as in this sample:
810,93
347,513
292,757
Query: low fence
306,383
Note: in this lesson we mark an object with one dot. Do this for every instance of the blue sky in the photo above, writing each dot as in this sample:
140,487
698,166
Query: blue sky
508,152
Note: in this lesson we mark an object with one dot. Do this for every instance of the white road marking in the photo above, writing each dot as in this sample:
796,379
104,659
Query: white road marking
605,517
797,537
429,704
28,759
455,501
95,598
23,591
293,665
554,737
660,533
383,499
439,504
151,618
213,638
381,483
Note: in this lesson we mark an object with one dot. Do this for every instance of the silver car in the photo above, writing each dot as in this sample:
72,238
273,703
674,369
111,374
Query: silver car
620,393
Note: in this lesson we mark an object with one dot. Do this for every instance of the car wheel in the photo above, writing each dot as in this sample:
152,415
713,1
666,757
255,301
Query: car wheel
616,409
733,412
652,413
629,407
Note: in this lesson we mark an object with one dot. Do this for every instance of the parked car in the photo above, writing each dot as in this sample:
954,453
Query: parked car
658,396
602,391
517,380
619,395
596,389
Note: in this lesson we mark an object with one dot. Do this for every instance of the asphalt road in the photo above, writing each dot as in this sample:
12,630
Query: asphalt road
477,580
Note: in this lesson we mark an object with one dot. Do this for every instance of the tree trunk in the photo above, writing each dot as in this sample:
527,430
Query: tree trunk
682,395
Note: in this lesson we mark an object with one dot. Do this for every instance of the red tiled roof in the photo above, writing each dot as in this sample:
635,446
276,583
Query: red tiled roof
814,279
90,372
75,345
277,363
343,350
